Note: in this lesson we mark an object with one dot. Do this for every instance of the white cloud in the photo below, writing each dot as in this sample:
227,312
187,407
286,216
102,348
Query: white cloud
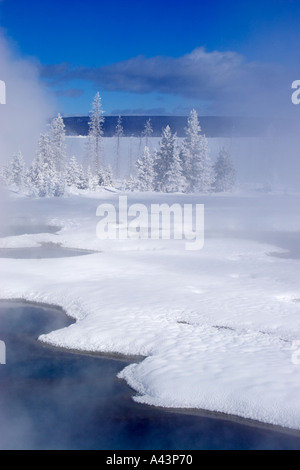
225,80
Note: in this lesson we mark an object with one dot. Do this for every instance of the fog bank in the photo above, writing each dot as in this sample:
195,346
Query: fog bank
28,103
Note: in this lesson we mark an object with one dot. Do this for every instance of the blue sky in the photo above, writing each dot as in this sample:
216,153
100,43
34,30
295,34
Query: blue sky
158,57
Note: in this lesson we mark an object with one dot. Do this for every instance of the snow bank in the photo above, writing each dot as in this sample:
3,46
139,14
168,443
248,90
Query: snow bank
216,326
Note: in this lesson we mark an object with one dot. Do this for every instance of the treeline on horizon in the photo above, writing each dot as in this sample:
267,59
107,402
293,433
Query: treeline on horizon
172,167
133,126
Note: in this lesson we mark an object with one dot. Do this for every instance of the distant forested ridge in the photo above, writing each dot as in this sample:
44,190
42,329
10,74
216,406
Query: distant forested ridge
212,126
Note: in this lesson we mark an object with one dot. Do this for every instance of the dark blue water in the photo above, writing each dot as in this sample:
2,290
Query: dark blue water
51,399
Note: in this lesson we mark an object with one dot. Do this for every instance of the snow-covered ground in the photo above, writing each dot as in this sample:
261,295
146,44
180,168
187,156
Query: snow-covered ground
216,326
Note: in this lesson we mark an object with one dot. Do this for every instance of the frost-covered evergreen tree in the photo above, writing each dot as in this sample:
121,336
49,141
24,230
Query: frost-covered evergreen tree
195,158
18,171
72,176
148,131
145,171
95,134
131,183
92,179
168,170
45,152
36,183
164,157
105,177
57,138
118,135
175,181
83,181
6,176
109,176
43,158
44,179
55,182
225,174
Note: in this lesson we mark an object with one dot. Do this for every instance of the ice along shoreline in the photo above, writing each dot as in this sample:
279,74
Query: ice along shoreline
160,302
195,412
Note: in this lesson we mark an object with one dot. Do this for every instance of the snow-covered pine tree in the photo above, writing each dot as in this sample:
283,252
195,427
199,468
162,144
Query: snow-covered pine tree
92,179
109,176
164,157
105,177
43,157
175,181
72,176
148,131
57,138
83,182
167,167
225,174
45,152
95,134
57,184
131,183
118,135
44,179
18,171
145,171
38,188
6,176
195,158
49,183
101,178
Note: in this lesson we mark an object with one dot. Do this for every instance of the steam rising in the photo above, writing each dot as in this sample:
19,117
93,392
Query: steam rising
28,104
